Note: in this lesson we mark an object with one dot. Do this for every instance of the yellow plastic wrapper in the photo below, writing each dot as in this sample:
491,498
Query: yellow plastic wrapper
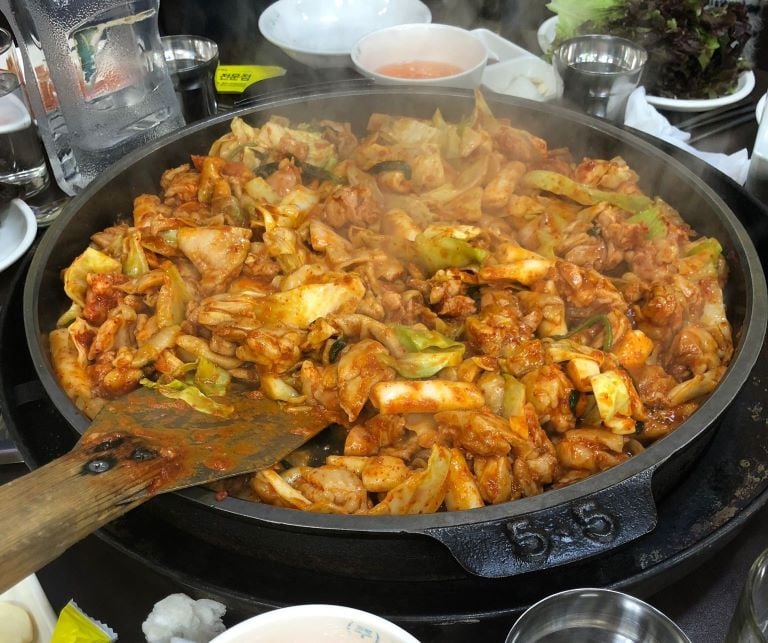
233,79
74,626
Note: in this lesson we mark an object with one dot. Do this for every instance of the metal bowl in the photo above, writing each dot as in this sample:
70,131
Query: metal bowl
594,616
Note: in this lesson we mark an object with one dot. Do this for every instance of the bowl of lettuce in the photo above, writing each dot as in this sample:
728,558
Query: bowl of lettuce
695,50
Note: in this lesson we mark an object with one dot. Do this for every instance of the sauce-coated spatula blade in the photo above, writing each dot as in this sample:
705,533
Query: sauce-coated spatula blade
138,445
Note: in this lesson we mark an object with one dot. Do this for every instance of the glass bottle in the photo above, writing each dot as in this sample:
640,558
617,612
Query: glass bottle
97,80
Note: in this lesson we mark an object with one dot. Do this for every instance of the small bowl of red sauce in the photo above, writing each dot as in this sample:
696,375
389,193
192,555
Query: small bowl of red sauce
421,54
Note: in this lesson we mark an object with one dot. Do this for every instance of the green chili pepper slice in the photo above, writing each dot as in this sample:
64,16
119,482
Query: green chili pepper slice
573,400
335,350
307,170
391,166
315,172
591,321
266,169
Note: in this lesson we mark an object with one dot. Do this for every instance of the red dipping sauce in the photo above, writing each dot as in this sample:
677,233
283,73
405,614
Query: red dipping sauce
419,69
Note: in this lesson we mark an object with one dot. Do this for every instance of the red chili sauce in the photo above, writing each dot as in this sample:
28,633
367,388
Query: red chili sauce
419,69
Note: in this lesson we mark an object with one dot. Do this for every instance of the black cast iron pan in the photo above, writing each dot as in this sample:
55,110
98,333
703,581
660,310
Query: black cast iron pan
559,527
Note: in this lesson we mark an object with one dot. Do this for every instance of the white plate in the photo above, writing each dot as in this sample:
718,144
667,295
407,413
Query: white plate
320,33
760,107
316,623
546,36
17,232
743,88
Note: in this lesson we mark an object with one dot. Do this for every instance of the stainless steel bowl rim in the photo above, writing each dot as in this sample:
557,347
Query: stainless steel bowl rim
612,604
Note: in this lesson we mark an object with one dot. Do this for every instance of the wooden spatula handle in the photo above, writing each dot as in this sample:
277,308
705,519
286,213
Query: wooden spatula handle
59,504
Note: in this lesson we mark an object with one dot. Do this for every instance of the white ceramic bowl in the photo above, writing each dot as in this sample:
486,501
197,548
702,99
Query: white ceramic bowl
320,33
315,623
423,43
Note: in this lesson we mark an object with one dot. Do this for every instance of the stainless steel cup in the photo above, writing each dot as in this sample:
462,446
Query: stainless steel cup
750,620
594,616
192,62
599,72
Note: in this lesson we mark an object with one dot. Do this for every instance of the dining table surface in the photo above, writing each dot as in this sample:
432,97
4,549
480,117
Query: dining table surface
114,587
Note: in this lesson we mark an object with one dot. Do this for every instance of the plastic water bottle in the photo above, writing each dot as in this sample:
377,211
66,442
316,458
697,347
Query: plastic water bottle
97,80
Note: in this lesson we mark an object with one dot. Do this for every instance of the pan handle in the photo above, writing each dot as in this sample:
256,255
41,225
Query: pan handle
47,511
558,535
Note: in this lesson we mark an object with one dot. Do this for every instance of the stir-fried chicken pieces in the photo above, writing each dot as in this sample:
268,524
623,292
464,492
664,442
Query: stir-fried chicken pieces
485,317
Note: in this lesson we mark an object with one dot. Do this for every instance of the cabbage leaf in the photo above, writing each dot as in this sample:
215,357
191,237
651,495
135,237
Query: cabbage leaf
178,390
443,247
89,262
585,194
425,363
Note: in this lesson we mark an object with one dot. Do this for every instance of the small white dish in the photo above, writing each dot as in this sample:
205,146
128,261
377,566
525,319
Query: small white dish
744,86
746,82
432,43
316,623
527,77
17,232
320,33
760,108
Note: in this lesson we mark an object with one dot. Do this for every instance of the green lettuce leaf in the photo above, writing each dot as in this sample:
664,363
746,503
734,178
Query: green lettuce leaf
571,14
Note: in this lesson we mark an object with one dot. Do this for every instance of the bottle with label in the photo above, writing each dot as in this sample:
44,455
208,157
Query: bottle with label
97,80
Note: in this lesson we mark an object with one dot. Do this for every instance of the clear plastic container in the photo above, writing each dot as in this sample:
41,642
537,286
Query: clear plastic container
97,80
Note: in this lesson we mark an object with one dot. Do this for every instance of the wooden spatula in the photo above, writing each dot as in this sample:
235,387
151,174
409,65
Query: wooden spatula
137,446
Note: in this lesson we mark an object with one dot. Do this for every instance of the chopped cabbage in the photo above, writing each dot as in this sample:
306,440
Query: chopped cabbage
91,261
513,402
190,394
419,339
210,378
135,262
444,247
422,492
425,363
275,388
611,395
173,298
585,194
